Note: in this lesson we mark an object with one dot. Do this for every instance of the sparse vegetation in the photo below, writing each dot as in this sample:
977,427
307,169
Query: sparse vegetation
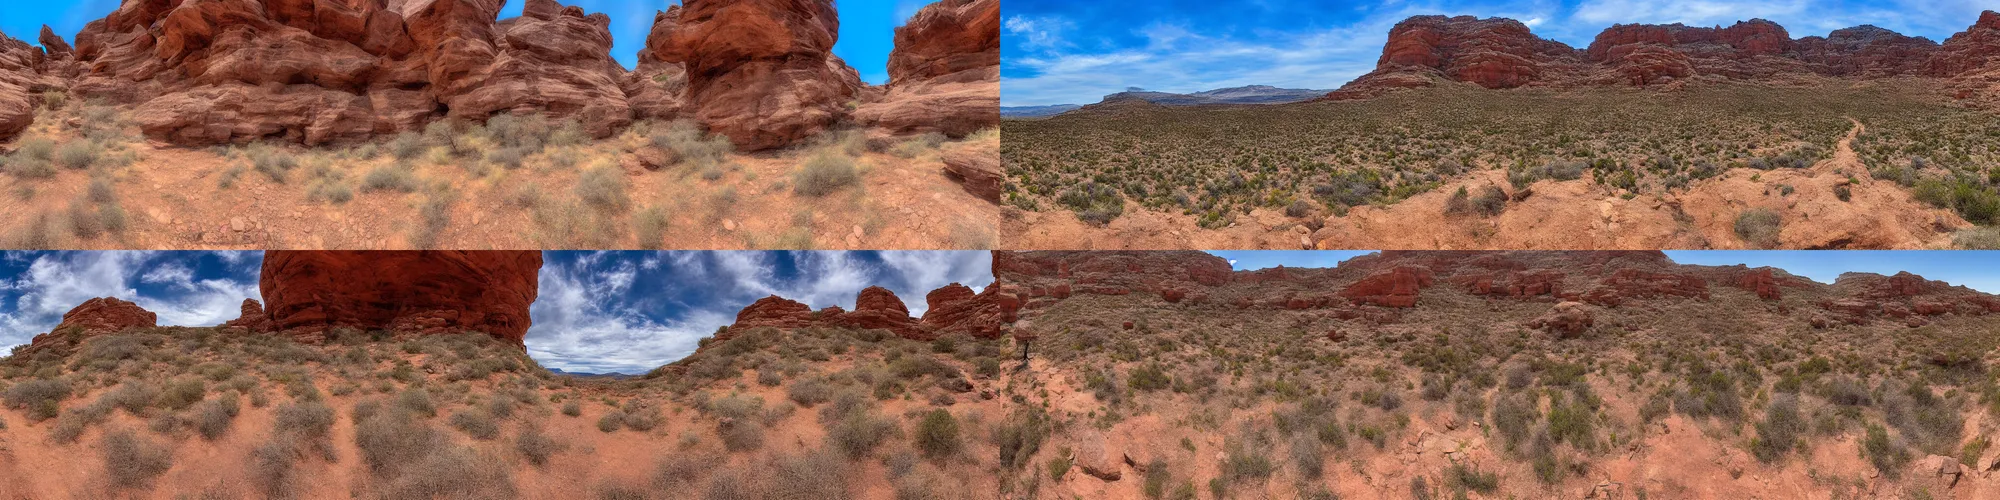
824,173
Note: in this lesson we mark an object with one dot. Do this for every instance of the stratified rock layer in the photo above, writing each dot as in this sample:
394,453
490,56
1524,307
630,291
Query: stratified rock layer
761,72
944,74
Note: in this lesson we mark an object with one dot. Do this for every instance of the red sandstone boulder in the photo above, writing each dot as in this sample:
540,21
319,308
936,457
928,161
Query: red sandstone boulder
251,318
879,308
106,315
944,74
774,312
761,72
1566,320
409,292
1761,282
977,169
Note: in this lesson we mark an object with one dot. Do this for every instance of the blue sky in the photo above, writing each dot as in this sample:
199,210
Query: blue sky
867,27
1070,52
632,311
596,312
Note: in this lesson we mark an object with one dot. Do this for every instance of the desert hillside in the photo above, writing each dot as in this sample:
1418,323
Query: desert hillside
1477,134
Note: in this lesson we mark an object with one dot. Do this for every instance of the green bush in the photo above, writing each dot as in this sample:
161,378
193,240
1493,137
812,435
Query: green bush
1461,475
1779,433
1888,456
395,177
611,421
825,173
41,398
1759,227
213,417
1058,467
272,161
693,146
937,434
859,432
1148,377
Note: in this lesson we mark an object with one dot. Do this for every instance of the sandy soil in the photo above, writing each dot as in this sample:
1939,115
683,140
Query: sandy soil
173,199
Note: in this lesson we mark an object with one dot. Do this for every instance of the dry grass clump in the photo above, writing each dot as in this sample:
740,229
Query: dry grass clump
688,142
1759,227
825,173
131,462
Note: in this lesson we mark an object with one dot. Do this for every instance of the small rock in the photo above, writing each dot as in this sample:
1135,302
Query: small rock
238,224
728,225
857,231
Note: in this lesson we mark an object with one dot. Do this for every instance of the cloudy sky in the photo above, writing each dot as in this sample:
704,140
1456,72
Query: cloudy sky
867,27
1070,52
628,312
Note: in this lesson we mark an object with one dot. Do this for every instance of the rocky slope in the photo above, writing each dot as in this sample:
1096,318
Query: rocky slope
944,73
1503,53
202,73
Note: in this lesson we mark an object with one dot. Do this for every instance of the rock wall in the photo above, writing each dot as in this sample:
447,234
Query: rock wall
761,72
307,293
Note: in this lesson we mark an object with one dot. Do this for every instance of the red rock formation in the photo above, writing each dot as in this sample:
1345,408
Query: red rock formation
774,312
251,318
1761,282
944,74
1977,49
322,71
1629,283
1397,287
761,72
1566,320
408,292
98,316
879,308
54,45
1502,53
106,315
976,169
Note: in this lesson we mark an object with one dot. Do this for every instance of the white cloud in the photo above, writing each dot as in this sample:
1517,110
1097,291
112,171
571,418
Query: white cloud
54,283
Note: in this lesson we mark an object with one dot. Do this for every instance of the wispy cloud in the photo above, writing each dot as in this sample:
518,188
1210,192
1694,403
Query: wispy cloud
47,284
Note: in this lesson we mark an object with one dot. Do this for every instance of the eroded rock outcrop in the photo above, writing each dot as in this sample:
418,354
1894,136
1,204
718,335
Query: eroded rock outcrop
1397,287
944,74
98,316
308,293
761,72
1502,53
1566,320
977,169
318,72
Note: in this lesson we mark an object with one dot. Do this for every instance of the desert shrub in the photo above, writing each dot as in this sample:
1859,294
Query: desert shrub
1513,414
741,434
1059,467
131,462
650,226
41,398
535,446
694,146
1490,201
476,423
1307,456
393,438
937,434
1242,464
1154,482
1459,203
417,401
1978,238
1779,433
309,418
1461,475
858,433
604,188
1759,227
272,161
641,418
408,146
1020,436
572,408
677,471
78,155
919,145
273,468
809,391
213,417
1574,423
1926,421
1093,203
1888,456
393,177
611,421
813,474
452,472
1148,377
825,173
182,393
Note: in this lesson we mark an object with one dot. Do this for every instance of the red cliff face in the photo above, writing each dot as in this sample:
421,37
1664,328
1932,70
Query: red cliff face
317,72
761,72
411,292
1502,53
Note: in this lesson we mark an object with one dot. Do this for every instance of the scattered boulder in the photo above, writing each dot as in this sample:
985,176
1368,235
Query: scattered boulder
761,72
1946,470
1566,320
975,169
1093,455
